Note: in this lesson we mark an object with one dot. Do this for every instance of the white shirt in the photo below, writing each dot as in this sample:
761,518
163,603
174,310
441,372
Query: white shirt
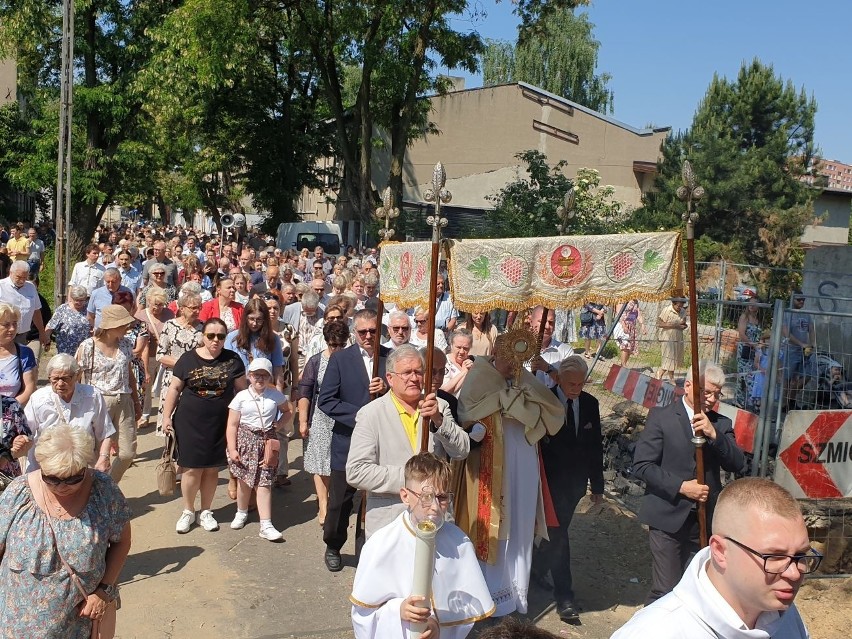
368,363
86,410
89,276
25,299
257,412
555,352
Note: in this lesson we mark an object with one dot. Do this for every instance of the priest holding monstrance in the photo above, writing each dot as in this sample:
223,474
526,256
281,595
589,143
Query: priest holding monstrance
499,501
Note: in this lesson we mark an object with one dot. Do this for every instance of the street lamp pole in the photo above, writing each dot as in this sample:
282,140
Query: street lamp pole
62,201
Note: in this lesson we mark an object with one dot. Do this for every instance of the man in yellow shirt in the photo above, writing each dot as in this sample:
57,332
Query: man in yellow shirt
387,435
18,245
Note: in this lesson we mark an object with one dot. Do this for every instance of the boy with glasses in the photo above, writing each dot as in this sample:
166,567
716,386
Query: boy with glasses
744,583
382,604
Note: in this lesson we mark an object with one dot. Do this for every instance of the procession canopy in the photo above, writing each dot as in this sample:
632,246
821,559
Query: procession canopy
555,272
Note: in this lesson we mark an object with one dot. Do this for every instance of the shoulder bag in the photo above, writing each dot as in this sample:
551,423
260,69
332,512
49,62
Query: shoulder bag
103,628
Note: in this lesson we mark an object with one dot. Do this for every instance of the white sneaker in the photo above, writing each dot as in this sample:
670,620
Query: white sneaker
187,518
239,520
269,533
207,521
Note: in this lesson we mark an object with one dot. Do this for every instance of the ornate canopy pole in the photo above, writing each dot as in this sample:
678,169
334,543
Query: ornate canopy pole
566,210
387,212
439,195
690,193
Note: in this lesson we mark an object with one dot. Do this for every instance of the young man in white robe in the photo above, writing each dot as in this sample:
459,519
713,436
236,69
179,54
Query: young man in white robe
382,604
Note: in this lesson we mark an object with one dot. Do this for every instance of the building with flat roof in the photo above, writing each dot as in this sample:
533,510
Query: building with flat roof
478,134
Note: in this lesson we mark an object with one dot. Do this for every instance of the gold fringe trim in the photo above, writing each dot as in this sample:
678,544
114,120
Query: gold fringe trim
461,622
365,605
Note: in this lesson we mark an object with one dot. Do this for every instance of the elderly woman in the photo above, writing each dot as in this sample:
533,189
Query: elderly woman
67,402
154,316
223,305
204,382
107,363
157,282
69,321
18,364
179,335
419,335
458,361
63,513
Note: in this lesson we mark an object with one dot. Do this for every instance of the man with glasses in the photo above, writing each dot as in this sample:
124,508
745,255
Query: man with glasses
346,388
745,582
396,420
665,460
399,328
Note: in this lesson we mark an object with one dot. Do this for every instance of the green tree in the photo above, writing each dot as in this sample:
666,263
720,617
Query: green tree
750,143
527,207
562,59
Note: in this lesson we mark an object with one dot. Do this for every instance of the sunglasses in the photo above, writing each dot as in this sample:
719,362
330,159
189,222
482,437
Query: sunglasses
73,480
366,331
216,336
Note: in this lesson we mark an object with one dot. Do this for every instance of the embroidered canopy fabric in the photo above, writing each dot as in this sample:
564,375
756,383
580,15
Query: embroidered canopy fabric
557,272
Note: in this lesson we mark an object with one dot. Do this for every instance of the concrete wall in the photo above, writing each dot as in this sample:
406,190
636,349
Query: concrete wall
8,81
834,207
828,284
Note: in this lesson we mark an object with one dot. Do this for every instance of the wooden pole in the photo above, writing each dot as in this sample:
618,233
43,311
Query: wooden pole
690,192
377,345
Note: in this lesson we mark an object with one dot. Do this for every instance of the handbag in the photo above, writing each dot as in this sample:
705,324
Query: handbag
271,451
103,628
166,471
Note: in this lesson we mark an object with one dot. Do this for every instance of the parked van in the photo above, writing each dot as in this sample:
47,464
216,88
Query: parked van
309,235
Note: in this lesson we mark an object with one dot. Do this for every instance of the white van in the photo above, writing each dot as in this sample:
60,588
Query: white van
309,235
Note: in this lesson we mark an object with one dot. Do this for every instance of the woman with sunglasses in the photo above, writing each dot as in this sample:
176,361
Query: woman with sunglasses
419,336
204,381
65,500
179,335
314,425
157,282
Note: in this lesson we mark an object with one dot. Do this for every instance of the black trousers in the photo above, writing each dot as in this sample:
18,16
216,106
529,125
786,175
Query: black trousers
670,554
342,500
555,554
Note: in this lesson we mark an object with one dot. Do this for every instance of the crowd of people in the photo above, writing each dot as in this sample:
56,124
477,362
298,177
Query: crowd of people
241,346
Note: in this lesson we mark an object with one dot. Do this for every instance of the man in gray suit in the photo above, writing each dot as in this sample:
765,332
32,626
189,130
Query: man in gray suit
388,431
665,460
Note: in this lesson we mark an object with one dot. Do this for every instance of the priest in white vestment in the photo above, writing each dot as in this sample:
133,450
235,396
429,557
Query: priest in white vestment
499,501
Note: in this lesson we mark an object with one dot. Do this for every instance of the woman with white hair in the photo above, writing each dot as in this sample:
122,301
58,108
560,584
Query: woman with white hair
67,402
66,535
69,322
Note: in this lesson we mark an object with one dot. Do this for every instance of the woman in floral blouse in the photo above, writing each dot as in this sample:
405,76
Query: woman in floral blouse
69,321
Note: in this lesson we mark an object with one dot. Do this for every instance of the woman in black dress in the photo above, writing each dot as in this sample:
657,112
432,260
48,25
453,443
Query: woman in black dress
204,381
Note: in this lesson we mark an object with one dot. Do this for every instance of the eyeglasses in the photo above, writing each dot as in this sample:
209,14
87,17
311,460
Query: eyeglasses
710,393
366,331
67,379
407,374
419,322
331,318
155,273
337,345
776,564
400,329
73,480
428,498
216,336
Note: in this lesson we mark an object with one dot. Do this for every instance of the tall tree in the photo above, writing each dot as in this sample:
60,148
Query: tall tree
110,47
562,58
750,143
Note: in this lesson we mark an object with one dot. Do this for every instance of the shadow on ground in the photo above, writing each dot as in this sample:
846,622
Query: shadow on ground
159,561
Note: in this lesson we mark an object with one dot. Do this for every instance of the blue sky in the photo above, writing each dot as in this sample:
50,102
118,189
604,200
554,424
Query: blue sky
662,54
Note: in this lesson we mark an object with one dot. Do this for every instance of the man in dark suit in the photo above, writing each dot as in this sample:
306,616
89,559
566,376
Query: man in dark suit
573,460
346,388
665,460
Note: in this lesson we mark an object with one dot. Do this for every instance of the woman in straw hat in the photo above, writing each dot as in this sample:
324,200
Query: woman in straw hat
106,362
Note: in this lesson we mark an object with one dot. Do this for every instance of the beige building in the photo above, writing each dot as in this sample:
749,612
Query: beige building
8,81
479,132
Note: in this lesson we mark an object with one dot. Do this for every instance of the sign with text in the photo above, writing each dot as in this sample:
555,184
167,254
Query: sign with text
815,458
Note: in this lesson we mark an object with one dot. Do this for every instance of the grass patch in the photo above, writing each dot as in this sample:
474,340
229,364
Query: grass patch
47,278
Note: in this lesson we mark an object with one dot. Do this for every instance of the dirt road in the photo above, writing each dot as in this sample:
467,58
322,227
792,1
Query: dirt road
232,584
